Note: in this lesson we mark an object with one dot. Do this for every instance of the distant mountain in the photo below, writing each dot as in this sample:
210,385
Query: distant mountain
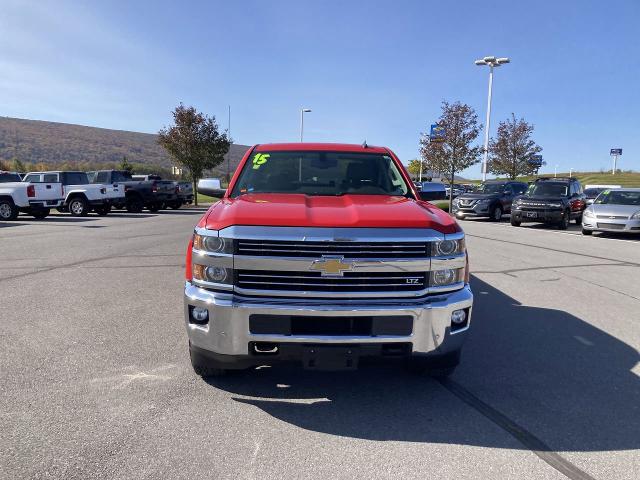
58,144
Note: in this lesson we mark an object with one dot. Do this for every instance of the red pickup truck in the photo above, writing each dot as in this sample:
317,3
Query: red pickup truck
325,254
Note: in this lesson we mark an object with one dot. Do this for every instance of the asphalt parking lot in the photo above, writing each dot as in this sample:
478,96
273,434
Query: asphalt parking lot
96,379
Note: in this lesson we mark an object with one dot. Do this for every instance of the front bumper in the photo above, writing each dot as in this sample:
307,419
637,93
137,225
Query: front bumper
227,334
610,225
539,215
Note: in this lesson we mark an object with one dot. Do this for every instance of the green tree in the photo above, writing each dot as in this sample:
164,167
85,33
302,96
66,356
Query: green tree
17,165
194,142
511,153
456,152
125,165
414,167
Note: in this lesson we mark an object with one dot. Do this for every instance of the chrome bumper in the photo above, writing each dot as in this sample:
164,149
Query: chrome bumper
607,225
227,332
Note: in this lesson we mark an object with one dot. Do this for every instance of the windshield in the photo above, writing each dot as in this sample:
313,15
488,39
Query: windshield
490,188
619,197
320,173
592,192
121,177
548,189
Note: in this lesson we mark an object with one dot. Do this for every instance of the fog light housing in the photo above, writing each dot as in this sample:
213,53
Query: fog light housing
458,317
199,315
459,320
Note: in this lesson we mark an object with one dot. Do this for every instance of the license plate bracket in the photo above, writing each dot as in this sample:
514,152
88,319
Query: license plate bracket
330,358
532,214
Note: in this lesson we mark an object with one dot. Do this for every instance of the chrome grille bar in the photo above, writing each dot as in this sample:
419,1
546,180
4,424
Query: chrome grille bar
347,249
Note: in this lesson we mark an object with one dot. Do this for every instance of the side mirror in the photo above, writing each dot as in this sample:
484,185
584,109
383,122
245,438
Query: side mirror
211,187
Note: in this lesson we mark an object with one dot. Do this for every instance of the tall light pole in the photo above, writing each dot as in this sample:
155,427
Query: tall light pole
302,112
229,152
491,62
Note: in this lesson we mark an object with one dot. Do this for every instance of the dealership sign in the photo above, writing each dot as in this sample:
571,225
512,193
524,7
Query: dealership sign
437,134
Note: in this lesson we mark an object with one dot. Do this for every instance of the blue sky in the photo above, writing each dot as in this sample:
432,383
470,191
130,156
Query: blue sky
369,70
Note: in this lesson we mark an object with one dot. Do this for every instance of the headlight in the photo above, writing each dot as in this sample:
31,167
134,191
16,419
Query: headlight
589,213
445,248
212,274
636,216
212,244
448,276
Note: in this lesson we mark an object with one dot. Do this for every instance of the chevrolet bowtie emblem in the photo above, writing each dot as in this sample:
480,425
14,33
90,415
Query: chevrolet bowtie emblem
331,266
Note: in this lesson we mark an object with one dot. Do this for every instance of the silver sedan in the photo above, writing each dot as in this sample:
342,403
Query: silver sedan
616,210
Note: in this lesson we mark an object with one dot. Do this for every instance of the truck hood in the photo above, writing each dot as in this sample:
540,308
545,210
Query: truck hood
606,209
542,199
297,210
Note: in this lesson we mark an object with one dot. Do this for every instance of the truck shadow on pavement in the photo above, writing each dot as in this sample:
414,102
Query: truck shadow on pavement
551,373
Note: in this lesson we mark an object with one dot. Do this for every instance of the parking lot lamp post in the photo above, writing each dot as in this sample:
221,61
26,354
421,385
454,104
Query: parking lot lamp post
491,62
302,112
570,172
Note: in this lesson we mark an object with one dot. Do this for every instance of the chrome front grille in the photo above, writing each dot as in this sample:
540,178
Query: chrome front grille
611,226
308,249
613,217
315,282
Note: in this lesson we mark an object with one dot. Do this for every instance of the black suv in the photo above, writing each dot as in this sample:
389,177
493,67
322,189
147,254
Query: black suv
491,199
554,201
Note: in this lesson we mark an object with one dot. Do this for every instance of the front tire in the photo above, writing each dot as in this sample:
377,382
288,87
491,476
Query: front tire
496,213
515,223
153,207
587,232
134,205
564,222
8,210
78,207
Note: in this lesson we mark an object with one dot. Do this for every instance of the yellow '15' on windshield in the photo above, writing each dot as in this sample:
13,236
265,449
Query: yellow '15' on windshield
260,159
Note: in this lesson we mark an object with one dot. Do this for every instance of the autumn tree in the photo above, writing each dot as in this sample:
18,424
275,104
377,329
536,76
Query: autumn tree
511,152
456,152
194,142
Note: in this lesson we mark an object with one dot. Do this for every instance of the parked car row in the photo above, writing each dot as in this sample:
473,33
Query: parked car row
82,192
553,201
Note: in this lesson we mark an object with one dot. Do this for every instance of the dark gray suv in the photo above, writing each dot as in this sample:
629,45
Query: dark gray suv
491,199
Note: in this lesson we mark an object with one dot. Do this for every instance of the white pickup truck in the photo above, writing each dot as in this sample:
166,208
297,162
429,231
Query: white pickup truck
81,196
35,199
